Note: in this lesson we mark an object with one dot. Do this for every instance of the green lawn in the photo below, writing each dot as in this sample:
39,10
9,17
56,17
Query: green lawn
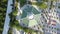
37,17
25,21
29,22
32,22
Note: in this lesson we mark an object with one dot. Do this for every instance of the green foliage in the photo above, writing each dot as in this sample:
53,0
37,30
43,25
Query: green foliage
3,7
10,31
17,0
22,2
41,5
15,24
15,13
45,0
13,21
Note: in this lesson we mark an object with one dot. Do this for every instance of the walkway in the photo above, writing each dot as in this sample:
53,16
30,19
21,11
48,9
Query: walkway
7,19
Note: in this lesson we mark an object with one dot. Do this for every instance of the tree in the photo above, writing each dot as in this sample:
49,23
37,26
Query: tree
22,2
45,0
10,31
3,7
41,5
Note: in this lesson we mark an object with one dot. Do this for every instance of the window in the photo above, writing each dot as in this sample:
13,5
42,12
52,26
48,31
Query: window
57,17
52,27
46,30
23,24
38,27
49,26
34,26
55,32
39,24
52,31
11,4
45,20
41,14
12,8
42,22
53,13
54,16
43,25
58,6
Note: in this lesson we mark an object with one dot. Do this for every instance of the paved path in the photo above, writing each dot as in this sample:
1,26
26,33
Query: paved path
7,19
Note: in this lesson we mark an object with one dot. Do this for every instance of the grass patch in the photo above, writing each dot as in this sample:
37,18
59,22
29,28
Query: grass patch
25,21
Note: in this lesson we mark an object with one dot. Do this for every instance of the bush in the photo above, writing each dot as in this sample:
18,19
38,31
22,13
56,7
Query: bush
15,13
